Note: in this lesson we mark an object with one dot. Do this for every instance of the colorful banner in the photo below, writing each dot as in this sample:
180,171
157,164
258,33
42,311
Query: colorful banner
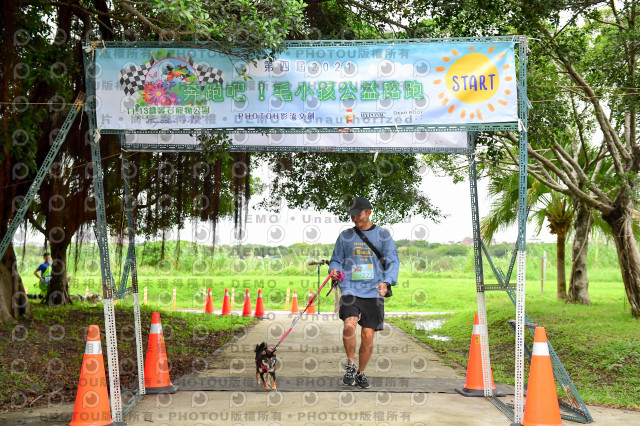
307,87
308,141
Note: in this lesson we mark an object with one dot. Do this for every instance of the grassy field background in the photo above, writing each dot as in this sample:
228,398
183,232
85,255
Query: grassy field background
433,277
599,344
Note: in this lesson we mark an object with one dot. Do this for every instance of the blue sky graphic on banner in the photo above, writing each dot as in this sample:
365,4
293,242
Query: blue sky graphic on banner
308,87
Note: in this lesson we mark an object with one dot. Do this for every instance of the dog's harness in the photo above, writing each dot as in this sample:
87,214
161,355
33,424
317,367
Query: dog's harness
261,366
333,285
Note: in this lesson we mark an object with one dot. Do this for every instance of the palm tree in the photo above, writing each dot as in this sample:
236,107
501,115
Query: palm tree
544,204
560,217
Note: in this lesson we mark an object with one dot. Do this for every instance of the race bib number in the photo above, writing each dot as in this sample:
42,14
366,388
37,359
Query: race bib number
47,275
362,272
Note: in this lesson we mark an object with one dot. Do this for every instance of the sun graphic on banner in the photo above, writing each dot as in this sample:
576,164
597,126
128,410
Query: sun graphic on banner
472,83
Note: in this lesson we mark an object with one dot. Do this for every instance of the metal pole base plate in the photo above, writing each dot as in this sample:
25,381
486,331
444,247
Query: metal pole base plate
166,389
477,392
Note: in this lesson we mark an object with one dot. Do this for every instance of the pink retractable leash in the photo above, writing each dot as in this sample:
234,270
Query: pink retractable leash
340,279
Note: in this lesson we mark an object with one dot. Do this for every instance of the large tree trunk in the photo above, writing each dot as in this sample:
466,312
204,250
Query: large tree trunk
579,281
13,300
628,255
11,303
561,292
58,291
60,226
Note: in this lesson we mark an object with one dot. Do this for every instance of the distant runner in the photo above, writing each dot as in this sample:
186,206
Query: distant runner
45,274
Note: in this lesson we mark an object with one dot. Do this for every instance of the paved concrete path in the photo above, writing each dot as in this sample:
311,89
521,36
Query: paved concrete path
313,351
309,356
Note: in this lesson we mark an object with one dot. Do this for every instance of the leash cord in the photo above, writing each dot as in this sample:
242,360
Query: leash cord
302,312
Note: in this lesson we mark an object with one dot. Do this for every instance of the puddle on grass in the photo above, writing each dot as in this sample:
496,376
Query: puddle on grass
430,325
441,338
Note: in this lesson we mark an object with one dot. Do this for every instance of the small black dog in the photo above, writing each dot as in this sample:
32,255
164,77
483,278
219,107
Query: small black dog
266,363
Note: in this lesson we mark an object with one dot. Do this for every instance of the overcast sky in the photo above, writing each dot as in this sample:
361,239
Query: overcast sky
294,226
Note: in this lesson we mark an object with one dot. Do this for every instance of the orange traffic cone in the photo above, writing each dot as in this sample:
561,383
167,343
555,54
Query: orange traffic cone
156,364
226,304
259,306
92,400
312,307
474,385
541,407
294,303
246,309
208,309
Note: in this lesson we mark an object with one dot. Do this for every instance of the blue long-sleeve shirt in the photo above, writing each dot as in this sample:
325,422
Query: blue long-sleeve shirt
361,267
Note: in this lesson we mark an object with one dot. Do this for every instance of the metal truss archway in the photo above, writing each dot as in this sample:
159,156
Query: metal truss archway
516,291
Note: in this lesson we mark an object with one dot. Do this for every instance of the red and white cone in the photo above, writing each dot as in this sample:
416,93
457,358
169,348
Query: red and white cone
226,305
92,400
156,364
246,309
259,306
209,307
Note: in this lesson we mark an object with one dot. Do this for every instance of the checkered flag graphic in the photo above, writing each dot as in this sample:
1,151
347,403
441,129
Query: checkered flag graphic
207,74
132,78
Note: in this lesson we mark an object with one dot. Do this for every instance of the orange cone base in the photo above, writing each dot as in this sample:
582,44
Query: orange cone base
90,419
91,423
477,392
165,389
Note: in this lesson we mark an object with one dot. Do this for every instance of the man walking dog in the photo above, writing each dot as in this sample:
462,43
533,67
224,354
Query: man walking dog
367,256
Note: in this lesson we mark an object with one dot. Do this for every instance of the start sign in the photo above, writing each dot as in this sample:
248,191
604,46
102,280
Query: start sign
311,86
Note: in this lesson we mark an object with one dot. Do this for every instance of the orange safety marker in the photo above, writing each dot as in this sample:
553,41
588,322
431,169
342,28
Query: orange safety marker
144,299
26,290
226,305
208,309
86,292
204,298
156,364
312,306
474,385
541,407
173,300
92,400
246,309
294,303
259,306
286,301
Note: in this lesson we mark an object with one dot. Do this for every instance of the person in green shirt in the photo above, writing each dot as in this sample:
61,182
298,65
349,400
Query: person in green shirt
45,274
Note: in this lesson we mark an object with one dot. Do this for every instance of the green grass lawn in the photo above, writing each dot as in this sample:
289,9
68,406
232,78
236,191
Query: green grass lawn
599,345
42,356
411,294
428,292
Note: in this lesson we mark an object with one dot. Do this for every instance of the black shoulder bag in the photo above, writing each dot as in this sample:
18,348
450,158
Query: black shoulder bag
382,260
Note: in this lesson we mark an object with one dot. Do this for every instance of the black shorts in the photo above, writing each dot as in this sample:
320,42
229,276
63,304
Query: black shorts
370,311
